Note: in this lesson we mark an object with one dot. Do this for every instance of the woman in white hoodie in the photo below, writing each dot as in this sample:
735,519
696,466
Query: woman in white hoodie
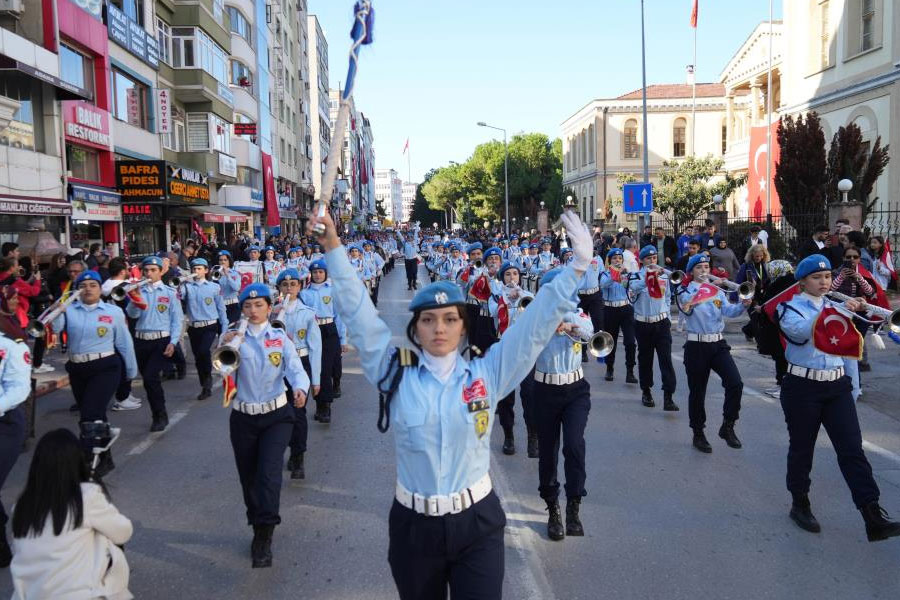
67,536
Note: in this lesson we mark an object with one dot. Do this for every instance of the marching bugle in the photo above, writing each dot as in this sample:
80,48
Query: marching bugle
892,318
599,345
227,358
119,292
675,276
524,302
744,290
38,327
278,321
216,273
179,279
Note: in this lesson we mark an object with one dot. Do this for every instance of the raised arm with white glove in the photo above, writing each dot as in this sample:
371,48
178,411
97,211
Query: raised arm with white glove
582,242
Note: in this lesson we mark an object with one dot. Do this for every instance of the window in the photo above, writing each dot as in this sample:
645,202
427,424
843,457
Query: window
724,138
590,135
133,9
631,149
584,160
825,50
239,24
219,11
197,132
22,130
183,55
249,177
83,162
164,38
678,137
76,68
241,75
221,134
192,48
174,140
868,25
129,99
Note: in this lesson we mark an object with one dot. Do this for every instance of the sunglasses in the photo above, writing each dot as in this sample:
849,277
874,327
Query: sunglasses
852,256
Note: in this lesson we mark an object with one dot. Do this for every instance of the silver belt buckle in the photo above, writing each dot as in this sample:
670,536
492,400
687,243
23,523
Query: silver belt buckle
418,500
432,506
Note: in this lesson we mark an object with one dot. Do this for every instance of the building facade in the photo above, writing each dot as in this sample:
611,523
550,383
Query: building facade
389,192
409,198
320,107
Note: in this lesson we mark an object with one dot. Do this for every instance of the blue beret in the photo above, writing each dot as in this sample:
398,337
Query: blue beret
255,290
453,247
566,250
287,275
253,249
224,253
546,240
514,237
492,251
475,246
812,264
506,267
356,247
368,243
535,245
696,260
199,262
613,252
152,260
648,250
296,249
92,275
318,264
550,276
504,241
272,248
439,294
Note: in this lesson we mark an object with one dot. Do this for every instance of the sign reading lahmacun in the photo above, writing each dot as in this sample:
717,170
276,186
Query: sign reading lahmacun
157,180
86,124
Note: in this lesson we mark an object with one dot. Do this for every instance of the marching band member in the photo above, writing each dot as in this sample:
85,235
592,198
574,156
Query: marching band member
545,260
15,386
206,319
230,283
300,325
319,296
590,299
262,419
478,284
411,258
294,260
706,349
252,265
446,526
618,314
504,308
652,327
816,391
158,329
98,337
452,265
376,266
271,266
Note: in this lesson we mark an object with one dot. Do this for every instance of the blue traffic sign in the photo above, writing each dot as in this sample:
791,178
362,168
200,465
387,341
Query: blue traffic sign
637,197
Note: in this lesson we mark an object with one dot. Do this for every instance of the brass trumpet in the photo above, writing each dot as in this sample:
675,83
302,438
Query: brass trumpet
180,279
599,345
278,321
675,276
744,290
38,327
227,357
216,273
524,302
119,292
891,318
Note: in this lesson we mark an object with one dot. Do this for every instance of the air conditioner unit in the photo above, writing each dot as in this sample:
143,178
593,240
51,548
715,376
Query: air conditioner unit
14,7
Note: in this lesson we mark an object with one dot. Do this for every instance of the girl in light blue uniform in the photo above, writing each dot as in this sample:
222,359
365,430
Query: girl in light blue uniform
230,282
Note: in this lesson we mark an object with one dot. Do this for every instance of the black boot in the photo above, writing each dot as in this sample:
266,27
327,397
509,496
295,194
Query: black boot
292,460
726,432
629,375
532,445
647,399
5,550
206,389
609,372
160,422
878,524
336,393
104,466
801,514
325,415
555,529
573,523
509,443
700,442
261,546
668,403
297,472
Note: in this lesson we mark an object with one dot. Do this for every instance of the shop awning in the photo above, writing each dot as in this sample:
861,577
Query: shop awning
215,214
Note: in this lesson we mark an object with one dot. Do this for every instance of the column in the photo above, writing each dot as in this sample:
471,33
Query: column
729,119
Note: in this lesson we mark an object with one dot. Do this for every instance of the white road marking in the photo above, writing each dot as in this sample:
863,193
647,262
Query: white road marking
151,439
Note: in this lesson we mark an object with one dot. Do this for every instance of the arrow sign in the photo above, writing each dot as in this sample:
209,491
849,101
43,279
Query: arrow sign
644,193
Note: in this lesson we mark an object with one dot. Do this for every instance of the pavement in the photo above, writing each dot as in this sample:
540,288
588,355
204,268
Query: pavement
662,520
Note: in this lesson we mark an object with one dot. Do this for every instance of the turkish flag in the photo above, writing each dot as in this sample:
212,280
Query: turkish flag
706,293
481,289
771,304
229,388
273,219
502,315
653,285
756,176
475,391
694,12
834,333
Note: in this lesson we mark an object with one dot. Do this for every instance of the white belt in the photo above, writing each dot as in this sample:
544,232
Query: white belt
230,301
473,301
559,378
151,335
438,506
302,351
704,337
204,323
653,319
83,358
816,374
589,291
484,312
615,303
325,321
261,408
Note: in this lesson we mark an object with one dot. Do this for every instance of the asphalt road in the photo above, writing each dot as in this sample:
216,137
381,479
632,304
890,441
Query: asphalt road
662,520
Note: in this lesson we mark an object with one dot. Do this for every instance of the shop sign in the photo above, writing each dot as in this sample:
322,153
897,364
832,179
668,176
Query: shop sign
86,124
88,211
79,192
188,186
163,110
285,201
37,207
227,165
141,179
131,36
142,213
245,129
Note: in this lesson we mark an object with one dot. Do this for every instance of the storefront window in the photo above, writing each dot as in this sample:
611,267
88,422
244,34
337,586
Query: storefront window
142,239
129,99
21,95
84,163
76,68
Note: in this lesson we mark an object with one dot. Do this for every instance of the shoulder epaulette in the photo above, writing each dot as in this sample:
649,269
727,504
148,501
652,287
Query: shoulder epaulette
407,357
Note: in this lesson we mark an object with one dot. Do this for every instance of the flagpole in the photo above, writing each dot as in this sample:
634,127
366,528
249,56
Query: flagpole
642,217
694,98
769,128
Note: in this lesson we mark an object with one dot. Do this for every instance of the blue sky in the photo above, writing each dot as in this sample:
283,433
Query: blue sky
438,67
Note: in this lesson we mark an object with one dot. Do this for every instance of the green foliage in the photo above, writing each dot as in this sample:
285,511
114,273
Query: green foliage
800,174
684,190
849,158
422,211
738,231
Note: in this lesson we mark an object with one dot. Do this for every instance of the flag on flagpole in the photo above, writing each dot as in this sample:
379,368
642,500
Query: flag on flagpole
694,12
888,259
406,146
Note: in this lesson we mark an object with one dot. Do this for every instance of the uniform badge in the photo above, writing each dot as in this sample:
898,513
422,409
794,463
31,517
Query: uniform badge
102,331
275,358
301,334
475,391
208,301
161,308
718,303
576,347
481,422
105,319
27,358
326,299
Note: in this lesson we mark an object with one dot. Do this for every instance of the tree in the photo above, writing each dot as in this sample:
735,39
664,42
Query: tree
422,211
800,175
684,190
849,158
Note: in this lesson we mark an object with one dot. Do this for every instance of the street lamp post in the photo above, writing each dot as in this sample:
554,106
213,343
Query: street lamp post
505,172
844,187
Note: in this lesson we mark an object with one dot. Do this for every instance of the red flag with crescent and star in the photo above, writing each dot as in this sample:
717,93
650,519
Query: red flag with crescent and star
653,286
834,333
705,293
756,173
502,315
229,387
481,289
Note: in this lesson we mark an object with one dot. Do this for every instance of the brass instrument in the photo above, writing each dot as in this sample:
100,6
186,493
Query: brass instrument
216,273
524,302
119,292
675,276
38,327
599,345
227,357
891,318
180,279
477,264
744,291
278,321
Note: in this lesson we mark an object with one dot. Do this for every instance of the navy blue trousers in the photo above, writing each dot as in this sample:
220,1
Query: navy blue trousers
615,319
151,362
506,407
124,388
331,353
93,385
561,407
233,312
202,339
655,337
412,271
300,430
699,359
807,406
12,436
259,442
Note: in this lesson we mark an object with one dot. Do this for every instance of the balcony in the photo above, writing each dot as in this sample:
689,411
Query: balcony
197,87
738,156
205,162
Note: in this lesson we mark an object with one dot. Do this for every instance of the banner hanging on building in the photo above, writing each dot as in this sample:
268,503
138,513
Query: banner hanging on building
273,219
756,178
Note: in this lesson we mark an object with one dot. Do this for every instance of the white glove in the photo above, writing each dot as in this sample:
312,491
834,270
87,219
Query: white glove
582,242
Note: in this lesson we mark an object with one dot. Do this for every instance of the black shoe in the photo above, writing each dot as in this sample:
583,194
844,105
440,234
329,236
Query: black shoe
609,373
292,460
533,446
726,432
803,517
555,529
509,444
878,524
261,546
5,550
298,472
647,399
104,466
573,523
325,416
629,376
204,393
864,366
700,442
160,422
337,392
668,403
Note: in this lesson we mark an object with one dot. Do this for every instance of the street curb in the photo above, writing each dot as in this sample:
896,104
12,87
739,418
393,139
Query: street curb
46,387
